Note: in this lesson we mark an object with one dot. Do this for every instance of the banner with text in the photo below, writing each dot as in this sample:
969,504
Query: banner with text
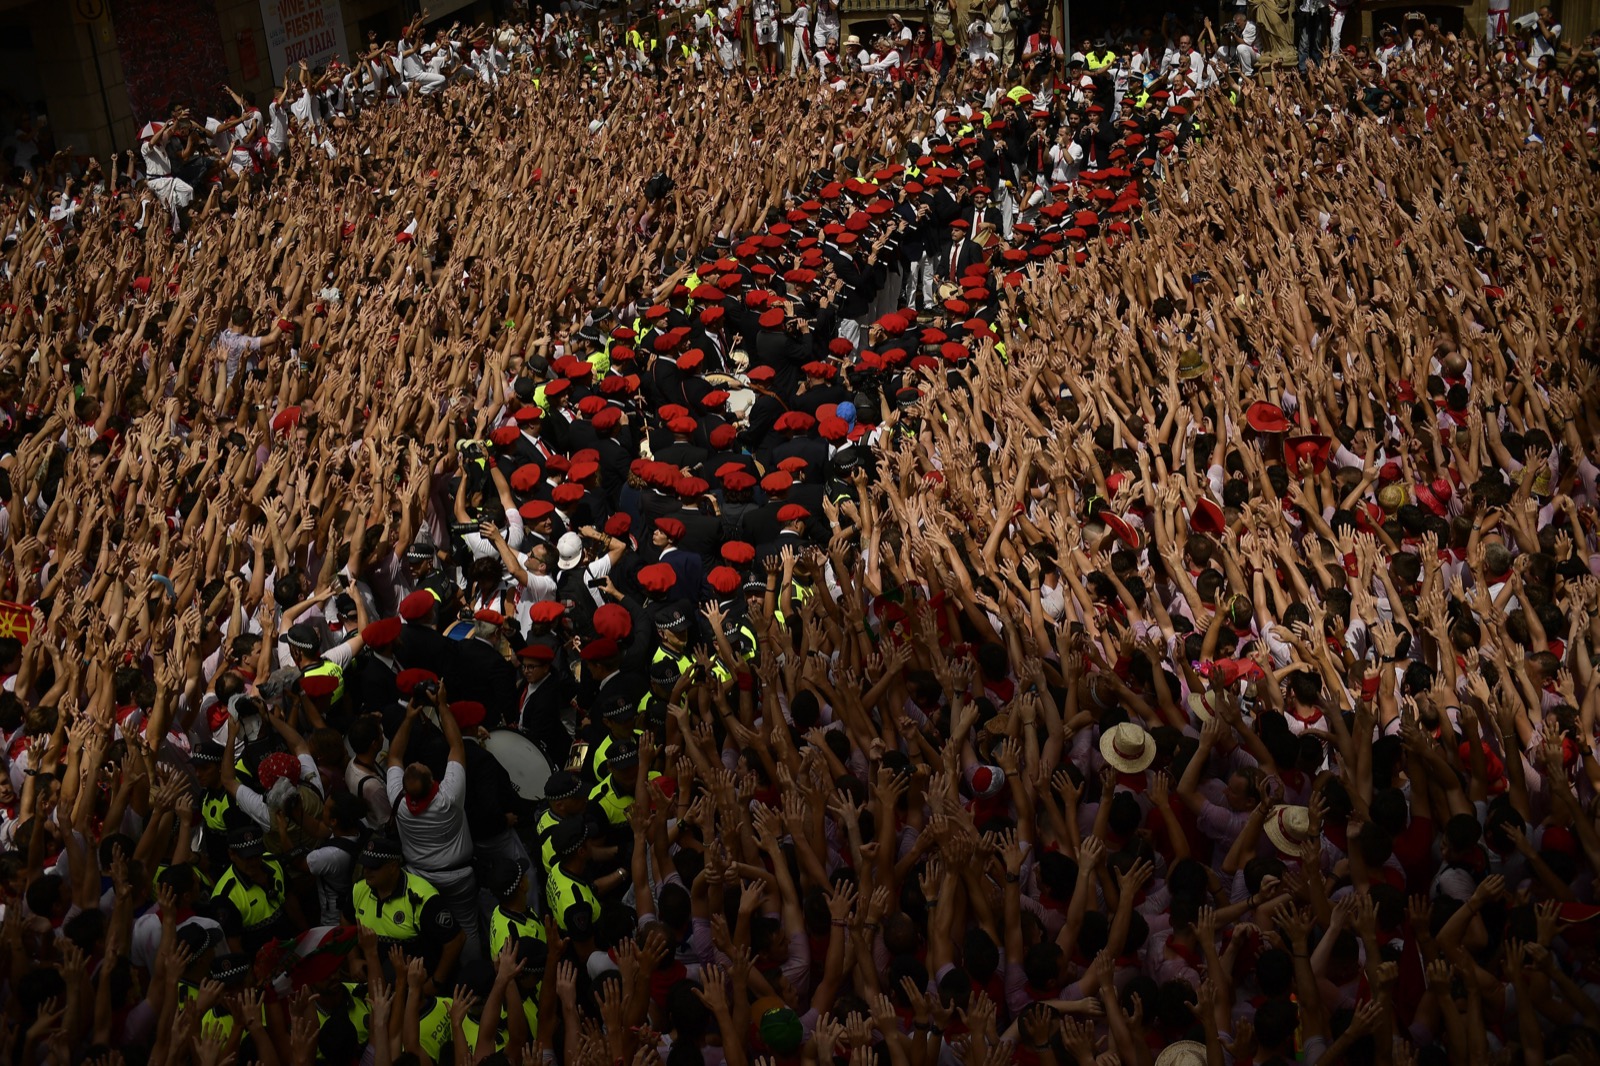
312,30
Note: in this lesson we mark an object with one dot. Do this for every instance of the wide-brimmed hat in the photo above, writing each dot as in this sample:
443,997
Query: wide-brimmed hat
1288,826
1128,748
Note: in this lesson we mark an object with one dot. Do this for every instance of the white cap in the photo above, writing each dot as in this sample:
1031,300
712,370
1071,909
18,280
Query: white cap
570,550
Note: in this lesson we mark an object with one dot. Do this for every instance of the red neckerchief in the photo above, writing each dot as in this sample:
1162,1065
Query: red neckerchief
416,807
1186,953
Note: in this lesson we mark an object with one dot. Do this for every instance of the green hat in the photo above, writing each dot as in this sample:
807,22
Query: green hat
781,1031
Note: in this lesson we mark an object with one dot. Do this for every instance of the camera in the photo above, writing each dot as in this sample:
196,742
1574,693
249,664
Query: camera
425,690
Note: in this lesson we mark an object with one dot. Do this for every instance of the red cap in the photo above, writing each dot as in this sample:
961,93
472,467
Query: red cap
534,510
1207,517
613,620
383,632
724,580
468,713
505,436
793,512
723,436
618,525
406,681
545,612
738,481
1265,417
494,618
1309,449
595,650
566,494
318,686
738,552
417,605
793,464
541,653
525,477
671,527
777,481
657,578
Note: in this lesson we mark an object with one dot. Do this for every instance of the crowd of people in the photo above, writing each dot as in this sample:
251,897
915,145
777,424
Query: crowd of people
1086,557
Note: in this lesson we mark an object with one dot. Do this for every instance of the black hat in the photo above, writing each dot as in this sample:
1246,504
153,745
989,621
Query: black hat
671,619
532,952
755,584
665,671
302,637
578,921
419,551
621,754
506,875
619,709
199,937
568,836
230,969
563,784
246,842
847,458
207,751
380,851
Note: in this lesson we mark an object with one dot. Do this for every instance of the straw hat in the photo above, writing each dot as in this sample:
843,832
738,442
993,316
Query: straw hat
1288,826
1182,1053
1128,748
1200,706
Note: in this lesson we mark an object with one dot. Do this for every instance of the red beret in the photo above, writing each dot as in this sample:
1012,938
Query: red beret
770,319
583,470
566,494
525,477
738,481
556,388
610,417
657,578
618,525
792,512
468,713
713,399
546,611
761,373
534,510
542,653
417,605
595,650
318,686
724,579
690,487
738,552
406,681
671,527
723,436
505,436
527,413
613,620
683,424
285,419
777,481
382,632
691,360
558,464
494,618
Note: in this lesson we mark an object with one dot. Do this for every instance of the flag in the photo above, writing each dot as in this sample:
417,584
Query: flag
16,620
308,959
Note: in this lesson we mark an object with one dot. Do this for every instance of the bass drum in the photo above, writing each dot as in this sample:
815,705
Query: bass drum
524,763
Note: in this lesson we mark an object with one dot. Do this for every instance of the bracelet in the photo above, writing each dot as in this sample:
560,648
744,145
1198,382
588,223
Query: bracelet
31,772
841,923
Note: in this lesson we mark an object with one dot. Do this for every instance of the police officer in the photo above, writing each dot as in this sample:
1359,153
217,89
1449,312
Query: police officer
251,898
402,908
566,797
567,887
510,920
